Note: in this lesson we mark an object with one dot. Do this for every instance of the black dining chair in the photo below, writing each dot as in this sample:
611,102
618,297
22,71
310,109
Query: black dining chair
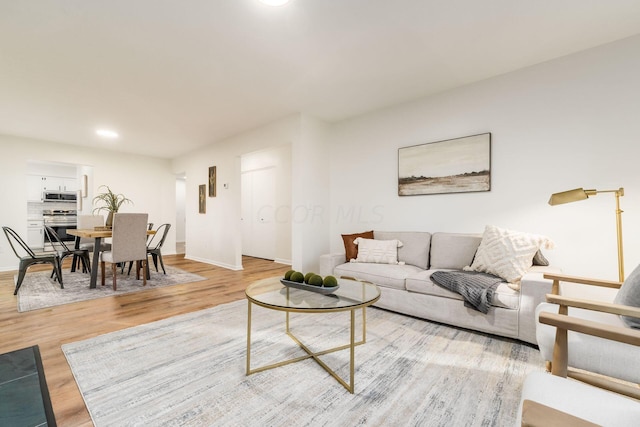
154,246
30,258
64,251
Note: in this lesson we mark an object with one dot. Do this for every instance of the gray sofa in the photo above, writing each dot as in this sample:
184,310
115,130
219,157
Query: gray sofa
407,288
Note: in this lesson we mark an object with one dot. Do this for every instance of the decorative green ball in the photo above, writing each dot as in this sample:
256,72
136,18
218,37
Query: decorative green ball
315,280
308,276
287,275
330,282
296,276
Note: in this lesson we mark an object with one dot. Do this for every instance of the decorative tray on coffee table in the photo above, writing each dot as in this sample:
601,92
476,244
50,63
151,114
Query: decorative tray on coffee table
311,288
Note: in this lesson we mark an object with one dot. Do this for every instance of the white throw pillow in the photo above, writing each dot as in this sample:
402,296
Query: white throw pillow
507,254
377,251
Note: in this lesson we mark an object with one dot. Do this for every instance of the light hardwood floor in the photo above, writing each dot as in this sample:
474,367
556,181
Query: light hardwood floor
52,327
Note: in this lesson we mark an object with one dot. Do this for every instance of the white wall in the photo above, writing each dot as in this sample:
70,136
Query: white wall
216,237
148,181
568,123
310,199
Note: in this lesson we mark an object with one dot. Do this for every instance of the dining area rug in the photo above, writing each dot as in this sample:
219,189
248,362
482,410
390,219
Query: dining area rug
189,370
39,290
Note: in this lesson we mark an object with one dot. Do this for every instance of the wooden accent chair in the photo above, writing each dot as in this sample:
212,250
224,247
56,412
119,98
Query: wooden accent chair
28,258
590,353
592,348
128,243
552,399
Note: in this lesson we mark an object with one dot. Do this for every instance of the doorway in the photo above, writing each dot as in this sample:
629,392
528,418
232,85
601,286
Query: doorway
258,219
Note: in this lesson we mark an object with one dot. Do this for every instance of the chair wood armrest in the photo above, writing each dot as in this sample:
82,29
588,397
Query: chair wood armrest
605,307
557,278
535,414
569,323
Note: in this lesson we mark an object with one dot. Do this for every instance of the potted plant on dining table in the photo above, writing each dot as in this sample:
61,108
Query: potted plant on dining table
110,202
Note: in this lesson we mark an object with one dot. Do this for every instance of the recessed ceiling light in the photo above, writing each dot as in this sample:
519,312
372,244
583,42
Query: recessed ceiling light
105,133
274,2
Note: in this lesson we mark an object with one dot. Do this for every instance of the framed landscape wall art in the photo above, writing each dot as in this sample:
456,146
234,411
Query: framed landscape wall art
460,165
202,198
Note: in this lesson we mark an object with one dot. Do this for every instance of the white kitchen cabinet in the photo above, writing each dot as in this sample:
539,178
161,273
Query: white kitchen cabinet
35,234
34,188
54,183
70,184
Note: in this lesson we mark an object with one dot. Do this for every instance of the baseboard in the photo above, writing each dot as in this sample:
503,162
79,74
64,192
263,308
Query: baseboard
217,264
282,261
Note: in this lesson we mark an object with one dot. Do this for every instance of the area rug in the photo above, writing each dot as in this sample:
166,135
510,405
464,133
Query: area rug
189,370
38,290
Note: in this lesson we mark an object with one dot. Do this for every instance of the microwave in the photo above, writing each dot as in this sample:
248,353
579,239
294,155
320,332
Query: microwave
59,196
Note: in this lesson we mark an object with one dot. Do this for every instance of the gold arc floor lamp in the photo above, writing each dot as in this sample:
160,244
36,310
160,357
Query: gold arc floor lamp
581,194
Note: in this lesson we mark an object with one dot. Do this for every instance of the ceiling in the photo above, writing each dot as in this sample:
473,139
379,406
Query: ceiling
174,75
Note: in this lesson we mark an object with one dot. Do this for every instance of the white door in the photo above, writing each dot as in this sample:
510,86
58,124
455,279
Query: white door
258,208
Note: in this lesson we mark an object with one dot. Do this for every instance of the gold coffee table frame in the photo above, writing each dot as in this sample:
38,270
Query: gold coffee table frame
351,296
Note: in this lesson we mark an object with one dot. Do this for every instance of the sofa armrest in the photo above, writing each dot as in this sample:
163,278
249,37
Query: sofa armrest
533,291
557,278
328,263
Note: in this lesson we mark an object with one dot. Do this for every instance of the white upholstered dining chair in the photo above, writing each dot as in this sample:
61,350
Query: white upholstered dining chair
89,222
128,243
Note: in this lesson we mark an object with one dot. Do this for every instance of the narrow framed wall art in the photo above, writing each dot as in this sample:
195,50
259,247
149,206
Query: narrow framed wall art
212,181
202,198
459,165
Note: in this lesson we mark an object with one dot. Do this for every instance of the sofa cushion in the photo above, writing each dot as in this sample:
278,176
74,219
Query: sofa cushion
453,250
503,296
415,248
350,248
629,294
377,251
507,253
387,275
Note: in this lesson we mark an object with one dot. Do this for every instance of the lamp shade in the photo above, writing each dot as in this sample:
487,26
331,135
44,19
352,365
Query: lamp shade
582,194
568,196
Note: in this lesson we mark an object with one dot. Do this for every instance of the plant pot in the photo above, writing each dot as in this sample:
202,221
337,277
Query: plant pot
109,222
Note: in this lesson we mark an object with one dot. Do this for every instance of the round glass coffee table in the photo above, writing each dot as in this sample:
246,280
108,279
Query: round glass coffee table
351,295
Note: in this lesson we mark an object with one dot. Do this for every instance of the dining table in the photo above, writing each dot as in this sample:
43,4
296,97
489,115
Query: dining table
97,235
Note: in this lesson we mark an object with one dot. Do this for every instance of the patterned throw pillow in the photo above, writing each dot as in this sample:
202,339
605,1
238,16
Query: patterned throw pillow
350,248
629,294
377,251
507,253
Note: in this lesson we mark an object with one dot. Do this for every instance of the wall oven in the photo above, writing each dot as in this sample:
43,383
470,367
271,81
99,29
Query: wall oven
61,221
